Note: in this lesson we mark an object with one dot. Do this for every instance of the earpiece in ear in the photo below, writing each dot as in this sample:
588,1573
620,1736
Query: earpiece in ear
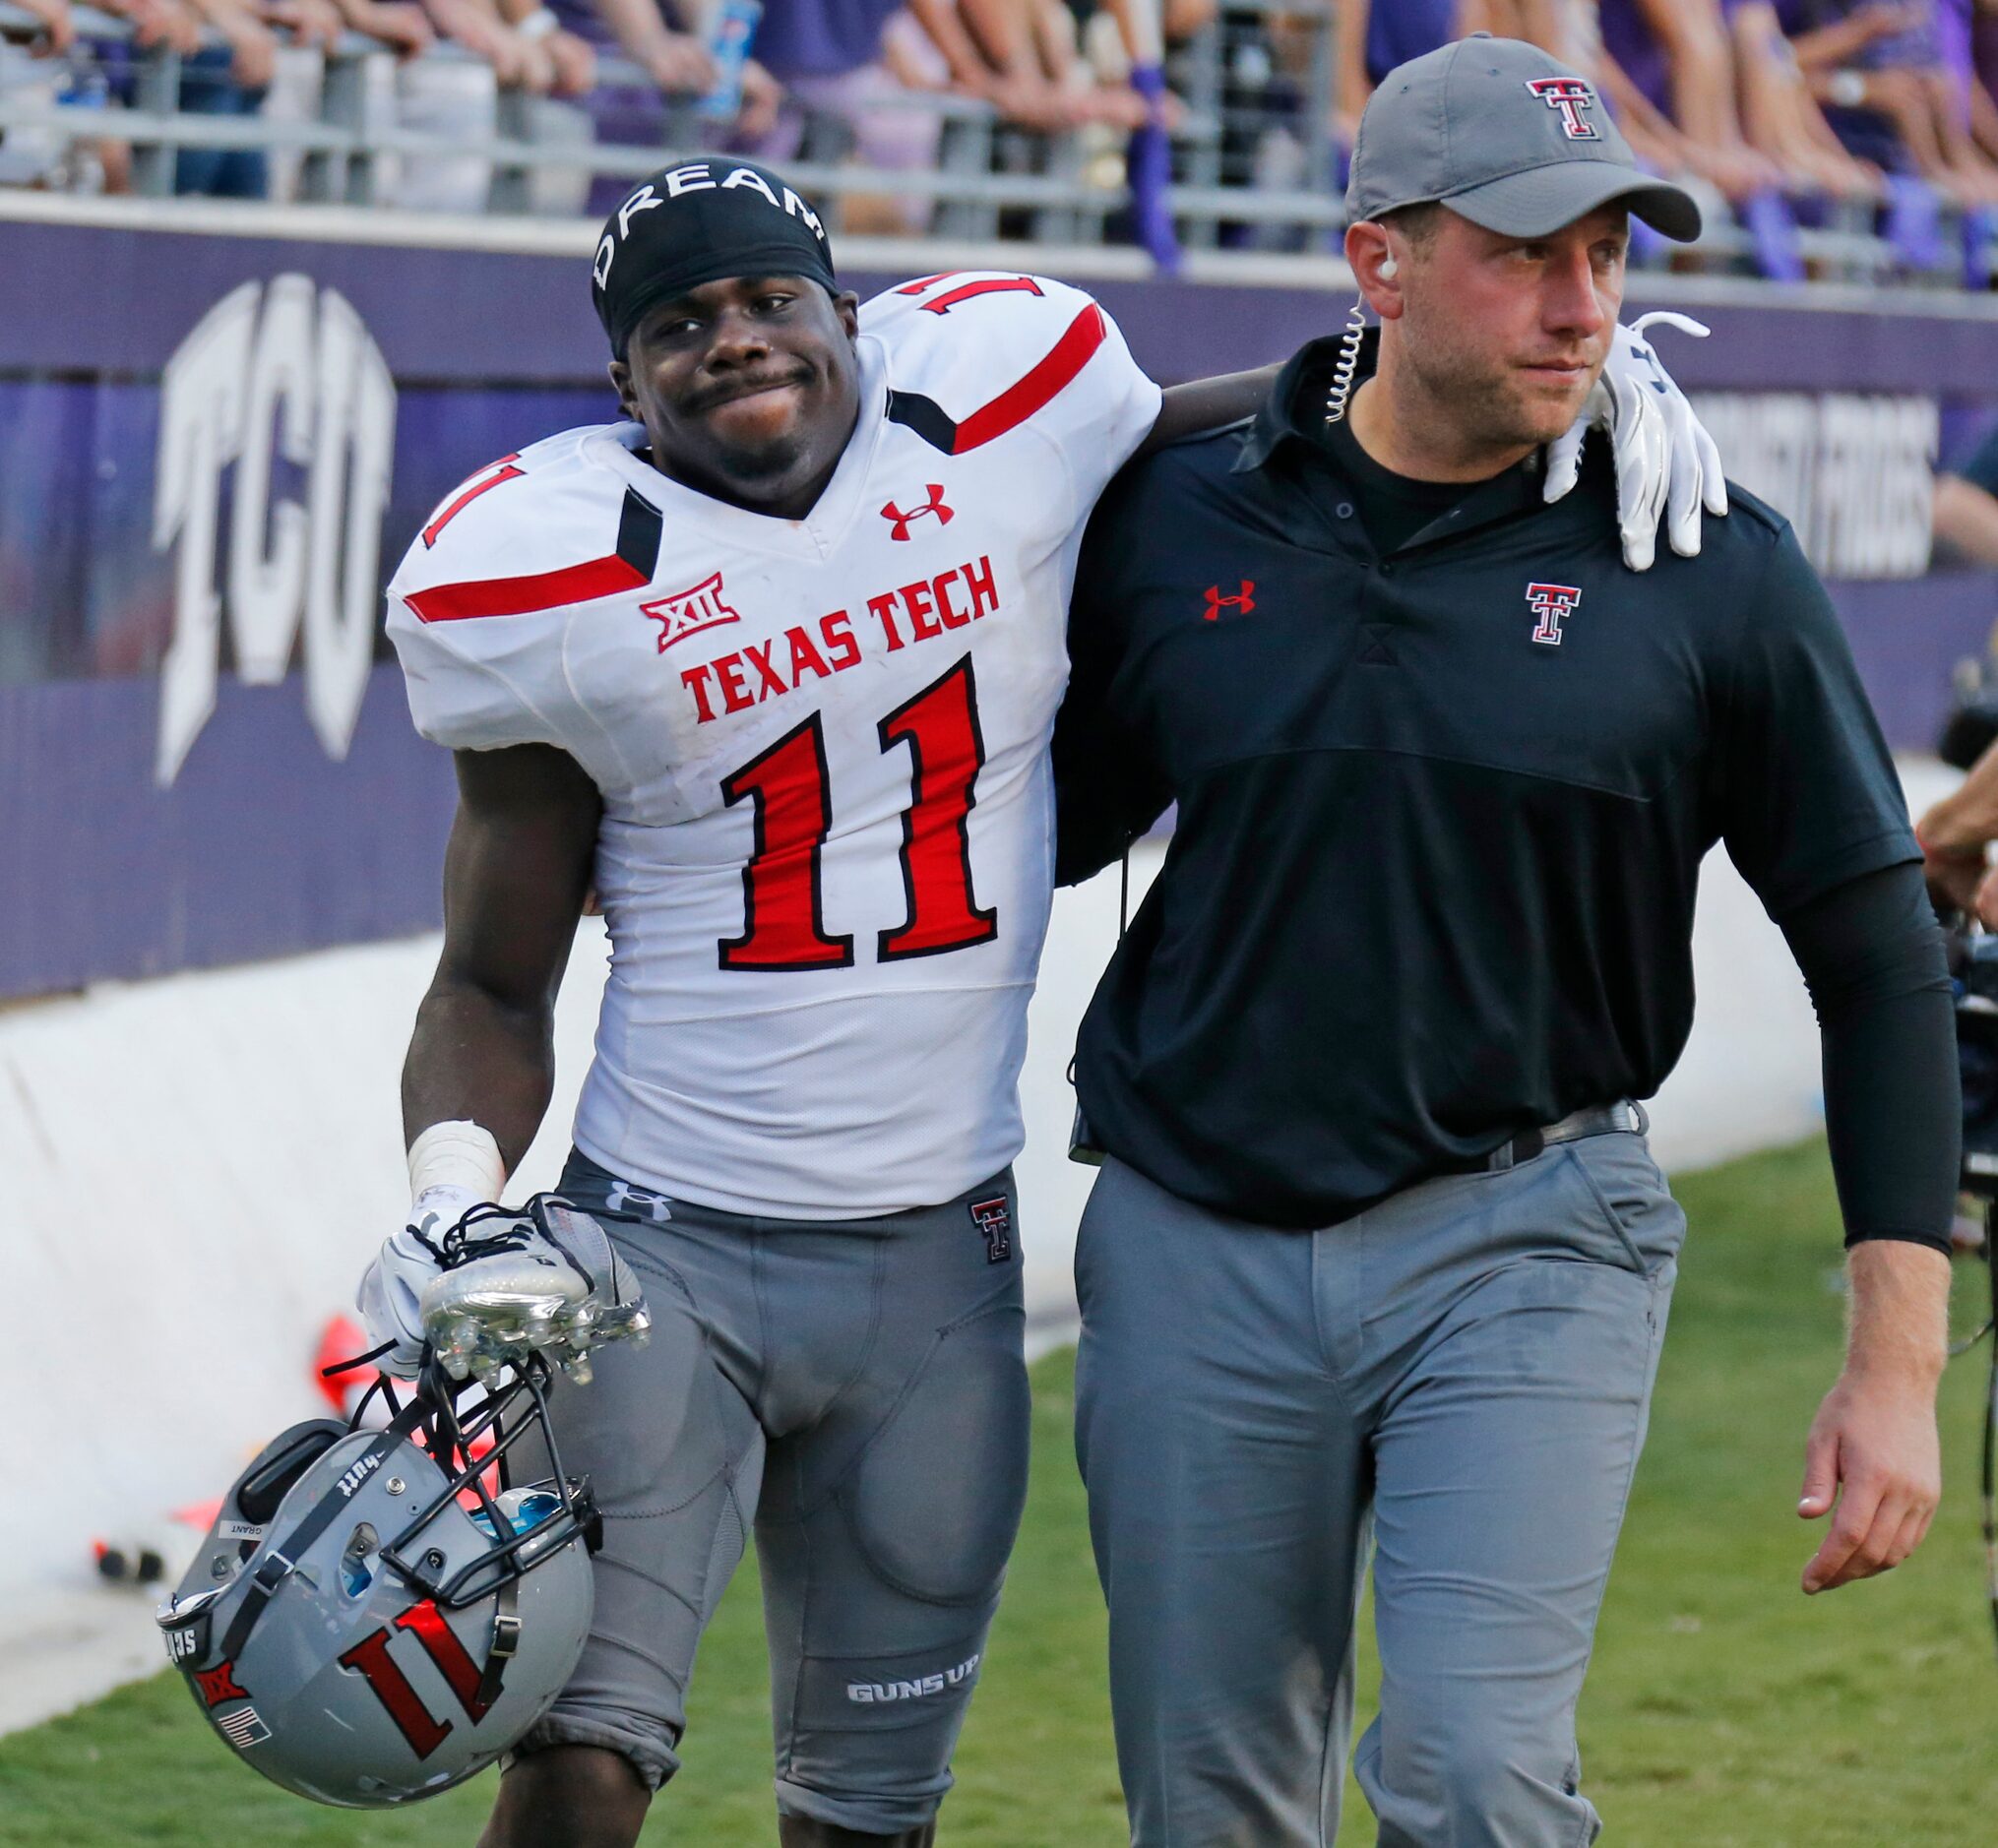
1389,267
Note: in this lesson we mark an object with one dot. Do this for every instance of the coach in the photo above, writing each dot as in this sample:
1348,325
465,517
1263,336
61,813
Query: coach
1378,1247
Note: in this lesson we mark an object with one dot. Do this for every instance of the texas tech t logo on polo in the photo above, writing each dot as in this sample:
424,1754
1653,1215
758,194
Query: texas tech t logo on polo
1552,603
1570,96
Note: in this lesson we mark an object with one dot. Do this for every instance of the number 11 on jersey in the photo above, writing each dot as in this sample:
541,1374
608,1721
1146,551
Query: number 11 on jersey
783,925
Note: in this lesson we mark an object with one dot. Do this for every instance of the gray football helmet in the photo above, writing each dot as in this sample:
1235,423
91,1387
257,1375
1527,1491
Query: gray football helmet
370,1620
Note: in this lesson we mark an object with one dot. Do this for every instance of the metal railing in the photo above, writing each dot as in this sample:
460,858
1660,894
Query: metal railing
1254,158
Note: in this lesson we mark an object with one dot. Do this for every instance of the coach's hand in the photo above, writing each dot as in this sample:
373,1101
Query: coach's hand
1667,467
1873,1444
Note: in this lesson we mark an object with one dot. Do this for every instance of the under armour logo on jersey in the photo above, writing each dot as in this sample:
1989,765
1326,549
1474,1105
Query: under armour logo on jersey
1570,96
994,1218
1243,600
687,612
640,1203
935,505
1551,602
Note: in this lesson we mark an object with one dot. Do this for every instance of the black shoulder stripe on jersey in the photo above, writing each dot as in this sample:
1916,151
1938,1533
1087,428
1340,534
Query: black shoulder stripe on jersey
638,529
926,417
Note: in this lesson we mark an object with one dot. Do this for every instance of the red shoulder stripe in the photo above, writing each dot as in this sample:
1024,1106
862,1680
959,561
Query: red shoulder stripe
1048,379
628,567
521,596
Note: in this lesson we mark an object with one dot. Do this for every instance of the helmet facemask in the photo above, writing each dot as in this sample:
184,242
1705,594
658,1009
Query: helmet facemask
404,1612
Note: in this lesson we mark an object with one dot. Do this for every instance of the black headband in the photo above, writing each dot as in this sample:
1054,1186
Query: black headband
702,221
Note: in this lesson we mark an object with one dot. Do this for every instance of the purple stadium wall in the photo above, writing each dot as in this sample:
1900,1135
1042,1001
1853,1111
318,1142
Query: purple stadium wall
177,795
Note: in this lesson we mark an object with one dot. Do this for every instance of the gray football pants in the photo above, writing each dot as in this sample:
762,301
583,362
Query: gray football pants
856,1389
1467,1370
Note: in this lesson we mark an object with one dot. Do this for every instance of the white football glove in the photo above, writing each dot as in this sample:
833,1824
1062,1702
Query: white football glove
488,1287
1666,464
392,1287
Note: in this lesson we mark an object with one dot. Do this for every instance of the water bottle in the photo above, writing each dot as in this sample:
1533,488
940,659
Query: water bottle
729,32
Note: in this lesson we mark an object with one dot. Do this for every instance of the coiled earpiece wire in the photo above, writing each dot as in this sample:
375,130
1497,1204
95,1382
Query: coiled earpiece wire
1341,389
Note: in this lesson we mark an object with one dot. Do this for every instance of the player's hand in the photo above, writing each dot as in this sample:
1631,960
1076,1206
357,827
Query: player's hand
544,1279
391,1292
1666,464
485,1286
1874,1445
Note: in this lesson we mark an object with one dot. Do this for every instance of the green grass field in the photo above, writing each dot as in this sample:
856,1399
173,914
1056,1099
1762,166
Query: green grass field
1724,1710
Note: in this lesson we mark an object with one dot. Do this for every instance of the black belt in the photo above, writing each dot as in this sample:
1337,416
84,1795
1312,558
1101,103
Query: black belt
1626,1117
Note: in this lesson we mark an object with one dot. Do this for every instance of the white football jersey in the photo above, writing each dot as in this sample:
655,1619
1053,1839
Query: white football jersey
827,856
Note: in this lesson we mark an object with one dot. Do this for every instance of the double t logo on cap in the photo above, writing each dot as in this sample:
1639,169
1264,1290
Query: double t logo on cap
1571,95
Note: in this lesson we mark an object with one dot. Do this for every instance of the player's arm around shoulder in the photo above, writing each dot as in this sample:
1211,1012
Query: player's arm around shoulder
1002,352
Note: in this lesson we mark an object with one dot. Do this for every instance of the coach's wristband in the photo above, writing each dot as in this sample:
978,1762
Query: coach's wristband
456,1154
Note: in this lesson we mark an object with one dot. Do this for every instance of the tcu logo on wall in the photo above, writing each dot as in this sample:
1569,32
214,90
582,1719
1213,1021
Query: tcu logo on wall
1570,96
285,373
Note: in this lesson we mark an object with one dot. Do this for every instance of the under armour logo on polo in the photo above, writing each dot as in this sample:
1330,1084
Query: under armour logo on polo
1551,603
1245,601
935,505
687,612
1570,96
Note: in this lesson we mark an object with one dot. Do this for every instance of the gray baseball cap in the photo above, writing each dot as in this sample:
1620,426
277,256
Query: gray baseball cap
1509,138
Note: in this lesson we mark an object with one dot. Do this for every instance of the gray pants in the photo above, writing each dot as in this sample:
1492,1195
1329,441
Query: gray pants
1466,1368
857,1391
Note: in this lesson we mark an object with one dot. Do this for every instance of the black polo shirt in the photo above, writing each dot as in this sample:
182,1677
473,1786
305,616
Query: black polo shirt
1441,809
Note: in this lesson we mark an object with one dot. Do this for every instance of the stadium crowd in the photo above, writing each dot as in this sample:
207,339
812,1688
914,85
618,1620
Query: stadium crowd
1783,115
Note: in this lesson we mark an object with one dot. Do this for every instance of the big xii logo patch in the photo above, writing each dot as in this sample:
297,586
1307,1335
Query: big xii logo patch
687,612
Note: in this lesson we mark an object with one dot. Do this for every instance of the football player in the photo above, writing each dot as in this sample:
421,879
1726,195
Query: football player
772,666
